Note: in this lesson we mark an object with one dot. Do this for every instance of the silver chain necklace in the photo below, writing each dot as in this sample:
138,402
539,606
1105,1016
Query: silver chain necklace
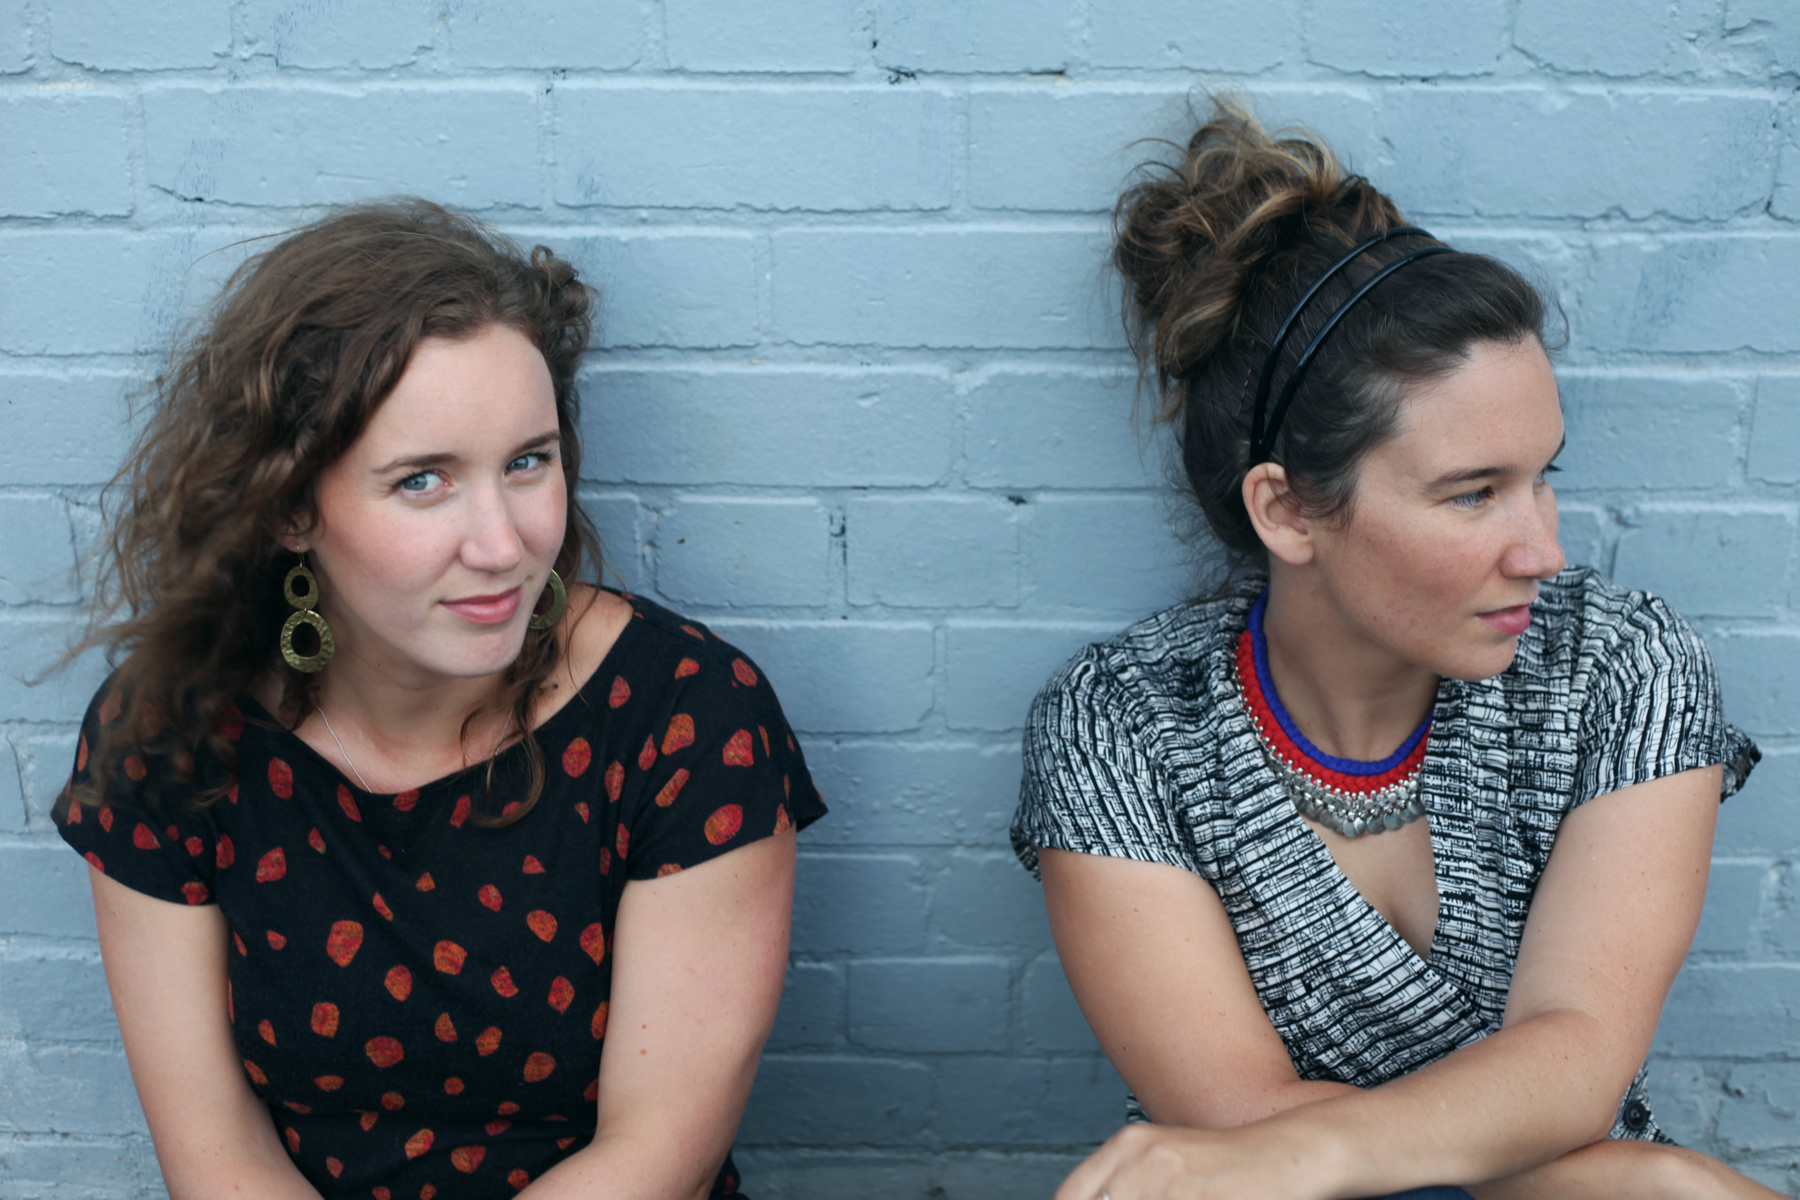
1350,813
352,762
341,750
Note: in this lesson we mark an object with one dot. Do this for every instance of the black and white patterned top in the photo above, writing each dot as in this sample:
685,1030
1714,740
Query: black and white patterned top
1140,747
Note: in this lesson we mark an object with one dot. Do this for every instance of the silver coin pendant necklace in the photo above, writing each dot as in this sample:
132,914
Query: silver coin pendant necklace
1347,795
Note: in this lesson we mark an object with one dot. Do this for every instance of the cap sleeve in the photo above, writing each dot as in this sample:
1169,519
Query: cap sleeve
137,837
728,770
1653,708
1088,784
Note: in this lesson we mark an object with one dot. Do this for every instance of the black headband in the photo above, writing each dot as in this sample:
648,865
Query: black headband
1262,441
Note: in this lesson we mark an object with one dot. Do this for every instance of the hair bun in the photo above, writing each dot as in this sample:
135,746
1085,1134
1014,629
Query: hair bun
1192,237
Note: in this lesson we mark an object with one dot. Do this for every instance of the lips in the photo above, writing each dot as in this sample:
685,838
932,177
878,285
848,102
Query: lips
1509,621
487,610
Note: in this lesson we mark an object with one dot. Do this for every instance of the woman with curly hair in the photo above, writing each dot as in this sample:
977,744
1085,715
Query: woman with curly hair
421,868
1372,873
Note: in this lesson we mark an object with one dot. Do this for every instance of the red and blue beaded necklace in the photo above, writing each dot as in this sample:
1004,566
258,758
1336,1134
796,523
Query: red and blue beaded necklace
1346,794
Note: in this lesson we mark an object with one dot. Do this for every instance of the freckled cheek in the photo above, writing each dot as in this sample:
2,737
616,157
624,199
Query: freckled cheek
1419,577
1444,578
389,567
1457,566
542,524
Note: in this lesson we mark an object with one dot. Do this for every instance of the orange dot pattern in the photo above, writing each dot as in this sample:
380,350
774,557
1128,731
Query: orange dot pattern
423,997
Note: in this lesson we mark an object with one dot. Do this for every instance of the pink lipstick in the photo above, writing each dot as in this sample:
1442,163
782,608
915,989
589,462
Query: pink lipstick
486,610
1510,621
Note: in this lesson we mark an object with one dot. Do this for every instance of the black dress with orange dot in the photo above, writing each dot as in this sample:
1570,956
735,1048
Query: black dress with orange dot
420,998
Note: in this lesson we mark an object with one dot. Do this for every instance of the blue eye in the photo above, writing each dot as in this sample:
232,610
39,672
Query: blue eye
525,462
1472,500
420,482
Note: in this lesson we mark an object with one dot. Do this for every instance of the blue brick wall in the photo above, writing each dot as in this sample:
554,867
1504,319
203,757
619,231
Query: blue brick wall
861,402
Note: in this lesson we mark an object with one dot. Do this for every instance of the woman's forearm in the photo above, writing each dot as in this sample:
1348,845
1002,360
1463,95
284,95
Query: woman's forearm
629,1168
1503,1107
1521,1097
1640,1170
1195,1111
260,1170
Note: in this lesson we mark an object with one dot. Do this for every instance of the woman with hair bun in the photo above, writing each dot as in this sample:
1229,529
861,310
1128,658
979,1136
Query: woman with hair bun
1371,874
419,871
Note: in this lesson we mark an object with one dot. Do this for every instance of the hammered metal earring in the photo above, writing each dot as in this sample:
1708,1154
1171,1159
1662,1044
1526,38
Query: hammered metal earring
559,600
302,591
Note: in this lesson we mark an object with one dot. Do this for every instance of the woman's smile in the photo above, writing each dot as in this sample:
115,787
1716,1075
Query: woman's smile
496,609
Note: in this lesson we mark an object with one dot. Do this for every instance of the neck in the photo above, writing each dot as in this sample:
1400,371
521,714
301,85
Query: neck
397,731
1350,696
400,717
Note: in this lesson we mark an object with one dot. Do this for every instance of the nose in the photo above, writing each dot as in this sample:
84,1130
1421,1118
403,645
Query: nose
491,539
1534,552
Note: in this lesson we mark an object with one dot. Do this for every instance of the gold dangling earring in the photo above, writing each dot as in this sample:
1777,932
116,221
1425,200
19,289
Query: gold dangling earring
303,601
559,601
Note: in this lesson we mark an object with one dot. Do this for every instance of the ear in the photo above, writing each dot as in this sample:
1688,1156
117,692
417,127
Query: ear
1275,514
295,535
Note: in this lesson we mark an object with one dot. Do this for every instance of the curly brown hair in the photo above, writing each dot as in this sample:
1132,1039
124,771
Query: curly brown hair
270,386
1217,243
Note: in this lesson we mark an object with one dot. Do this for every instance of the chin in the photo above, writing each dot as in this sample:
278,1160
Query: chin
482,660
1474,667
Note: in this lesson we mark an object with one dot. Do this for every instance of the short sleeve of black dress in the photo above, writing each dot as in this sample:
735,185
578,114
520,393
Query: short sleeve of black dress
707,762
1652,706
144,836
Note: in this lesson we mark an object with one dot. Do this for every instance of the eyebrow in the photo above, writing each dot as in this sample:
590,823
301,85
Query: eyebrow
423,462
1452,478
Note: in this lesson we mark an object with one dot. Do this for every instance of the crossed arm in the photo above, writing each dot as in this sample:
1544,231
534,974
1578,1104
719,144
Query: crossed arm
680,1053
1519,1114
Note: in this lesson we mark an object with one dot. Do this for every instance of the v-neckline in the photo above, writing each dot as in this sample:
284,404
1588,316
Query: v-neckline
1448,739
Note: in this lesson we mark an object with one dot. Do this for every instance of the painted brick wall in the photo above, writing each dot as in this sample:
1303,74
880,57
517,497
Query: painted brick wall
861,403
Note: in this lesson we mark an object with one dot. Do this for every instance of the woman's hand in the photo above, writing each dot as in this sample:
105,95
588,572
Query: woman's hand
699,961
166,969
1153,1162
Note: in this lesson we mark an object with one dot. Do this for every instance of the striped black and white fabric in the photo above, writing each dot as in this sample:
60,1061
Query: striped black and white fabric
1140,747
